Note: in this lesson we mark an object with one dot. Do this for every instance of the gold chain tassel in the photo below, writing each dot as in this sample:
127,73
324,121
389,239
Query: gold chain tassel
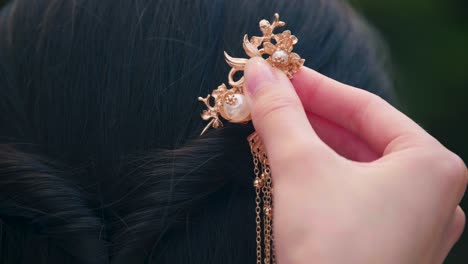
263,201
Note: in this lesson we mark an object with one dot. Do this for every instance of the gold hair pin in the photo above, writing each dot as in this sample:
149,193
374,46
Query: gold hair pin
231,105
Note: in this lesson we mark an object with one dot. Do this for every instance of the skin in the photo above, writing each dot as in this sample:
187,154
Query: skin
355,180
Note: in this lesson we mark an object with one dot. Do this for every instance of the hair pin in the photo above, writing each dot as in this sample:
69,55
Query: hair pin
231,105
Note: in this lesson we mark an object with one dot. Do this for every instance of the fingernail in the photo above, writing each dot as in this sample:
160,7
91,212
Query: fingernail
258,73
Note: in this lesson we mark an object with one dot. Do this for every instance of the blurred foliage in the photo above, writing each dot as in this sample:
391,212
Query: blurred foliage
428,43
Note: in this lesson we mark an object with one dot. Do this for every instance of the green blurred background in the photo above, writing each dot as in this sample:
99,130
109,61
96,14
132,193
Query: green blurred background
428,43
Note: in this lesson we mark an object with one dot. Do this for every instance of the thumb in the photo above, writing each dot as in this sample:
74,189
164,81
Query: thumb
278,115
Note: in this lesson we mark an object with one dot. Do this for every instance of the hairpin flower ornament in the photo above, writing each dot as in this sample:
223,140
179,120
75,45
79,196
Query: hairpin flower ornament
277,49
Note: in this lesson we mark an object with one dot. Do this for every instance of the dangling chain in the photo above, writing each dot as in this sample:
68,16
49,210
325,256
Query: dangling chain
263,189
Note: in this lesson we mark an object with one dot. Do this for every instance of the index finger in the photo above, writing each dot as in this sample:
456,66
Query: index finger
368,116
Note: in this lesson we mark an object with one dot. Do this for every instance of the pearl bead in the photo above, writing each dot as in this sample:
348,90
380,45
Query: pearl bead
239,110
258,183
280,56
268,211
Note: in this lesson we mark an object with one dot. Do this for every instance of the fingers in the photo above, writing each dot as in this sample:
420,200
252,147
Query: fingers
383,127
277,112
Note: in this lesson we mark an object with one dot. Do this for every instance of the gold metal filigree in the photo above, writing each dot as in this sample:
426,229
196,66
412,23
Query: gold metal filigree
275,48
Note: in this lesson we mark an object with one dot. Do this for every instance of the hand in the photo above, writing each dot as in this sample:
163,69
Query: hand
368,185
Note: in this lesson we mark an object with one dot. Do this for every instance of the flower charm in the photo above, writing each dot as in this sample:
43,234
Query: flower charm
230,103
212,113
281,55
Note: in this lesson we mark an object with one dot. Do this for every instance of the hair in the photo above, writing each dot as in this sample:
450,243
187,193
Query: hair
100,155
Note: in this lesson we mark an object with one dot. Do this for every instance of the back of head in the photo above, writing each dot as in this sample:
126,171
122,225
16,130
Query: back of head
100,158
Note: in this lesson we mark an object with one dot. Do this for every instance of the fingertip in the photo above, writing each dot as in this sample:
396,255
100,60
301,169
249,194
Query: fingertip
258,74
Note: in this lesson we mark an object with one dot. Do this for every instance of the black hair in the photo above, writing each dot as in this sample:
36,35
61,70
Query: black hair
100,155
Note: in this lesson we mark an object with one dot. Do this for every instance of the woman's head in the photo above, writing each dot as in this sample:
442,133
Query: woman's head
100,158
